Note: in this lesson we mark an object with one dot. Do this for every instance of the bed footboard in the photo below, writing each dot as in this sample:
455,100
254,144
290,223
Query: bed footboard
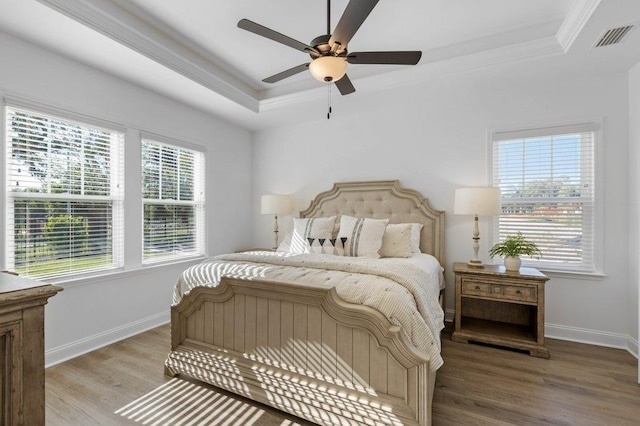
302,350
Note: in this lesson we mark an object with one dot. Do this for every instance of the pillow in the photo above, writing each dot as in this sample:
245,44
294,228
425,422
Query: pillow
313,227
318,245
396,241
416,229
364,236
327,245
285,244
338,245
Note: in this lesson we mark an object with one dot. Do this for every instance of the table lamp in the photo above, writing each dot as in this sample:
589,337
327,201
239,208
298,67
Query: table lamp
479,201
275,204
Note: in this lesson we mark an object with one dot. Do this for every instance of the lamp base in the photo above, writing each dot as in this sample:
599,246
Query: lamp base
475,263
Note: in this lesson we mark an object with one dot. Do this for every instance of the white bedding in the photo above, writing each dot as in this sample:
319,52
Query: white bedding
405,290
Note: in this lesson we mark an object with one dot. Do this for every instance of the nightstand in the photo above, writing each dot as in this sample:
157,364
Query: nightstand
500,308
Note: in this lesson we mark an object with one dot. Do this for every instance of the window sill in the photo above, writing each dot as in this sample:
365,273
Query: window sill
120,273
559,273
592,276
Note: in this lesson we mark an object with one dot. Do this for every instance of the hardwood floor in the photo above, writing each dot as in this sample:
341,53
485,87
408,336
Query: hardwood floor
580,385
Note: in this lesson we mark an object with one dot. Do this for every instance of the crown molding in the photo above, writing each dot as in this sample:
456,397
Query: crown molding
128,26
579,13
113,21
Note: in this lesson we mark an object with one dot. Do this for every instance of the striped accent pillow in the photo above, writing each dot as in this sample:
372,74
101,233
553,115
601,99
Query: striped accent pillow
314,227
364,236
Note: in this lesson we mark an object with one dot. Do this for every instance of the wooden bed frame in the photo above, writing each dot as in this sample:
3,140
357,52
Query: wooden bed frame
302,349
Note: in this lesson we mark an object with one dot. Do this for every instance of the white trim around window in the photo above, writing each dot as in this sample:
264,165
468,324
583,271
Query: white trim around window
63,192
173,198
551,180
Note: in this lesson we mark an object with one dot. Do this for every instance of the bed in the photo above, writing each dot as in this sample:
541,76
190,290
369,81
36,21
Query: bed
306,349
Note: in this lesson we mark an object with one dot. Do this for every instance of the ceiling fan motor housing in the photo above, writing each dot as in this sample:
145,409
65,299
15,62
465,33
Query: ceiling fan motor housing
329,66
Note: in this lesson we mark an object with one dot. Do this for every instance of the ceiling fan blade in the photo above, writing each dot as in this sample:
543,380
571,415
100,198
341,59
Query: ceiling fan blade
288,73
389,58
345,86
352,18
251,26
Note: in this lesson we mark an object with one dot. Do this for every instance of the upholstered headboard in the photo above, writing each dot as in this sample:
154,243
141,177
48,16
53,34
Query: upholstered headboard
382,200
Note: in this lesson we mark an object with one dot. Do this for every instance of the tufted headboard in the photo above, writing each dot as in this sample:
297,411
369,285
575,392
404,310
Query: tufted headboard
382,200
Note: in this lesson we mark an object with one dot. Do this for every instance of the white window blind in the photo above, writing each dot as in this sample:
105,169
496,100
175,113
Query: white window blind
64,196
546,177
173,202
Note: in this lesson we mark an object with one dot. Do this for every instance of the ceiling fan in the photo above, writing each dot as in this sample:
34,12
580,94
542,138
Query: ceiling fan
329,55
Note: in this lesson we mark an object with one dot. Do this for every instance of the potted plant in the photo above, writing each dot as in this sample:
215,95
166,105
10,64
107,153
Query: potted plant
511,249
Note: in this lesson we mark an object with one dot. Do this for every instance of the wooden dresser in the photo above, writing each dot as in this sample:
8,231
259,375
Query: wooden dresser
22,349
500,308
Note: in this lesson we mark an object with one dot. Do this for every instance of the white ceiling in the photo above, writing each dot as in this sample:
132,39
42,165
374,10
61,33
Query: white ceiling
192,50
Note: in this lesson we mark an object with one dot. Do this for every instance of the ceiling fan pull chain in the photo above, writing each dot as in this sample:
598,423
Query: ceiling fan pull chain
329,101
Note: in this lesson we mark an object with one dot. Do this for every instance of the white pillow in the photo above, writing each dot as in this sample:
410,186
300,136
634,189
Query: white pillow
320,245
396,241
327,245
313,227
285,244
416,229
364,236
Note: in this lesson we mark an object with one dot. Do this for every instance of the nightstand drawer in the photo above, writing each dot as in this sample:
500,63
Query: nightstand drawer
475,288
521,293
499,291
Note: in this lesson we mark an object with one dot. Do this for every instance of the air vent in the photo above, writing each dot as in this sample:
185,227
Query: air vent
614,36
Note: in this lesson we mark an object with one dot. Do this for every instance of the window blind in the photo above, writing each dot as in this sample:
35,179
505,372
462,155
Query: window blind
173,202
546,177
64,196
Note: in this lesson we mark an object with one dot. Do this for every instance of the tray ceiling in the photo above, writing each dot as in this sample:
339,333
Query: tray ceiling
195,45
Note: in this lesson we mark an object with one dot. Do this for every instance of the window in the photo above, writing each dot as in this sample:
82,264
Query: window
64,196
173,202
547,181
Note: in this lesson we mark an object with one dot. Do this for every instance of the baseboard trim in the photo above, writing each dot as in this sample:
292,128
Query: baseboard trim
632,346
580,335
449,315
592,337
79,347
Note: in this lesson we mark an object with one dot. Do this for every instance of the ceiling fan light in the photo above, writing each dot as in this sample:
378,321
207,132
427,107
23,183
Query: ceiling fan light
328,68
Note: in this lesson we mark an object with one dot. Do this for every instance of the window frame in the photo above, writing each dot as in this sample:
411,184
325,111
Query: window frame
596,125
116,188
198,202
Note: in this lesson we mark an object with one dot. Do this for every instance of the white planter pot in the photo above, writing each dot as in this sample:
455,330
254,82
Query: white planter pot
512,263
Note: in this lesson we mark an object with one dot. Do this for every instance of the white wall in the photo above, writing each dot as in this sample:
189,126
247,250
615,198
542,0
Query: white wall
96,312
634,203
432,137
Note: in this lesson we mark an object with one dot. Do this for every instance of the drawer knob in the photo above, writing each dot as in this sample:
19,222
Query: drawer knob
477,287
518,292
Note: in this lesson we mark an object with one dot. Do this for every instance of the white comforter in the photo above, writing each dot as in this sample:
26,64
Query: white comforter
397,288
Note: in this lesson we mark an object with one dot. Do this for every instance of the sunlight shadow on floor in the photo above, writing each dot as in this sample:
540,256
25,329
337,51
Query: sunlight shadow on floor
180,402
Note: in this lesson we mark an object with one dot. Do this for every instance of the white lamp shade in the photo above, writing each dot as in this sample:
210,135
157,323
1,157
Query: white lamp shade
276,204
328,68
483,201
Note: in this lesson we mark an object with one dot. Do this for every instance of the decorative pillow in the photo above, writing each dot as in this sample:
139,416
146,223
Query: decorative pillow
416,229
364,236
326,245
318,245
313,227
396,241
338,245
285,244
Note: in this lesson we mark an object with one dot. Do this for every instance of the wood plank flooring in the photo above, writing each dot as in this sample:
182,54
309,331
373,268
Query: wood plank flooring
580,385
